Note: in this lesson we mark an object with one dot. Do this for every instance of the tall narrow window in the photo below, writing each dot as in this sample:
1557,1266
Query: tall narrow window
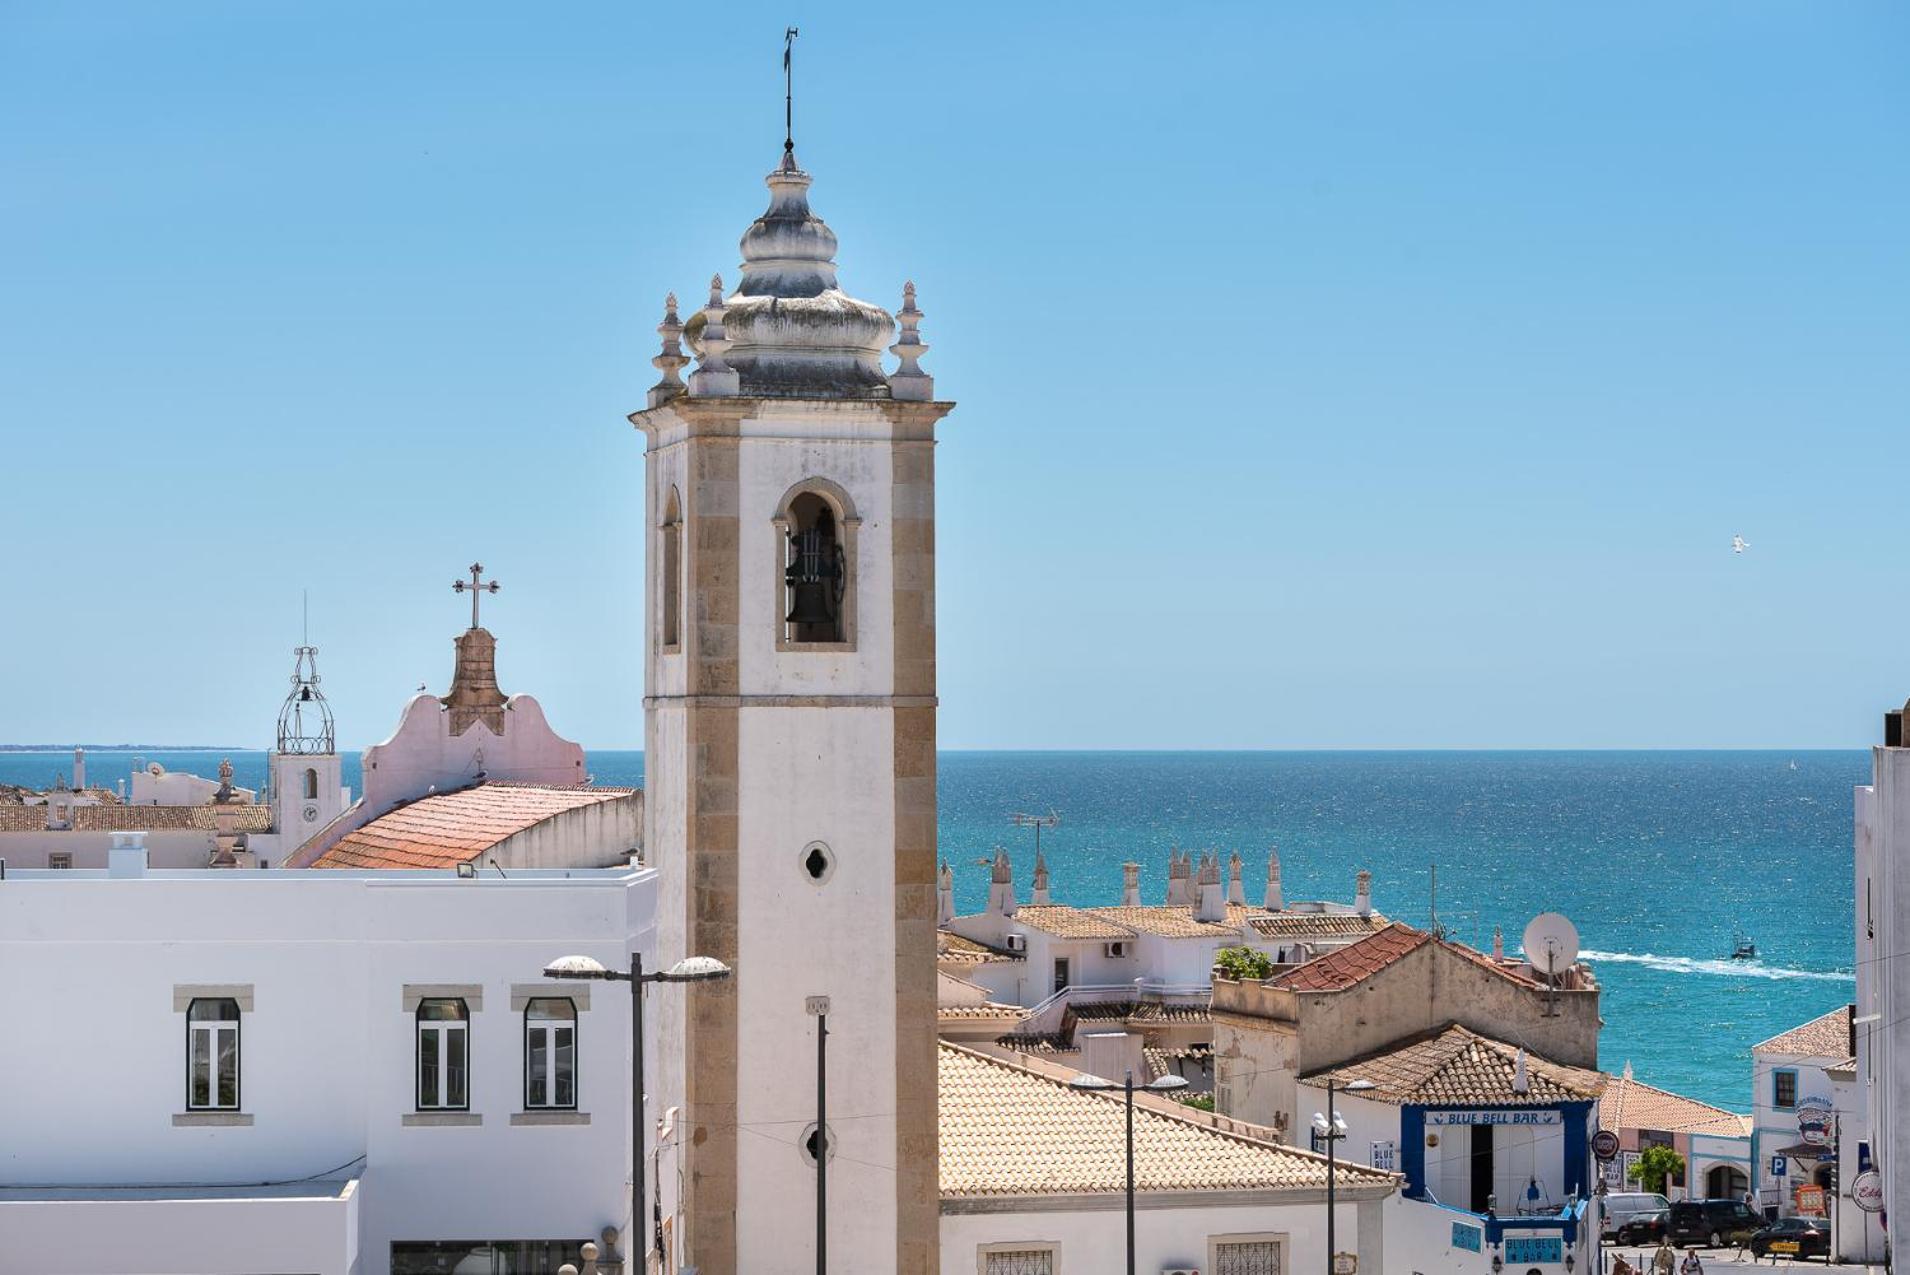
671,565
311,784
1061,973
815,573
212,1055
550,1053
444,1071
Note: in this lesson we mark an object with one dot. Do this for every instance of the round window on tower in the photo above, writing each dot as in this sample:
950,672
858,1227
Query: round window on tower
812,1137
817,862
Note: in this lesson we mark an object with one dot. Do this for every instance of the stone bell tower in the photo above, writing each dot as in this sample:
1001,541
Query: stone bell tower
790,757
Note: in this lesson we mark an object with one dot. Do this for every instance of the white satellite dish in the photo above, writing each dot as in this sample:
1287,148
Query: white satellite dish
1551,943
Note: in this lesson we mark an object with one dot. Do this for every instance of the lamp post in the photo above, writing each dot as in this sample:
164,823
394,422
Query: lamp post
1164,1084
691,969
1331,1129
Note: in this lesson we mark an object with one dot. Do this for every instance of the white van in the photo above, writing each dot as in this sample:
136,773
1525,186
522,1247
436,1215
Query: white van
1622,1206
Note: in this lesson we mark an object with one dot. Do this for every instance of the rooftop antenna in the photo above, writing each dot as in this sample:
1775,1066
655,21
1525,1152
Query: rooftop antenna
789,97
1037,822
305,617
1437,932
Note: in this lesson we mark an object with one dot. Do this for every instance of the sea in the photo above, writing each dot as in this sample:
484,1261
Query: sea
1659,858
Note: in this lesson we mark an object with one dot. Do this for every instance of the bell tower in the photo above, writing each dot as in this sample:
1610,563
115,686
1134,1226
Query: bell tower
790,757
306,782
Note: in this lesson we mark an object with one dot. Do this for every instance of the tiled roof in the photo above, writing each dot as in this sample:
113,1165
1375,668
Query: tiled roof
1008,1131
1038,1043
1160,1062
987,1009
1827,1036
15,818
1454,1066
1632,1104
1353,963
1168,922
1148,1011
1065,922
449,828
1311,925
117,818
956,950
1845,1069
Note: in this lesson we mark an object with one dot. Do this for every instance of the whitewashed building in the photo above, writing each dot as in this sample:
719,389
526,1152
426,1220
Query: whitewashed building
1811,1128
1880,1079
326,1072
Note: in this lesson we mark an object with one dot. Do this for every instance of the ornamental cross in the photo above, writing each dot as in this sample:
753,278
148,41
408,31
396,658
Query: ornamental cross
478,585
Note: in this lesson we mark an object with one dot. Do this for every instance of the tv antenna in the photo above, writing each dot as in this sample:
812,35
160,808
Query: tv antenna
789,93
1037,822
1551,944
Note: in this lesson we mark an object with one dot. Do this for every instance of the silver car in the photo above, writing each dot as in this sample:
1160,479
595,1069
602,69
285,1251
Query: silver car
1622,1206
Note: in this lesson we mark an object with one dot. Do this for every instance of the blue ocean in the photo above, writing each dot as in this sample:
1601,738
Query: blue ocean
1658,857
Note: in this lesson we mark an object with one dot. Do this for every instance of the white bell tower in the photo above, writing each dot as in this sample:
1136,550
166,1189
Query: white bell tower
790,758
305,782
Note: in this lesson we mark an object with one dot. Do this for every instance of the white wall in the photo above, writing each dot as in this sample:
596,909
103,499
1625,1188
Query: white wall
165,848
96,1234
327,1050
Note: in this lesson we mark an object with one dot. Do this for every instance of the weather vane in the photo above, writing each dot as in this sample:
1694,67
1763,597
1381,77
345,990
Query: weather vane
789,115
478,585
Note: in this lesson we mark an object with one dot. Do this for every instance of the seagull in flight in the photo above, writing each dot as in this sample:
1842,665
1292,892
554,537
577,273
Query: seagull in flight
1739,544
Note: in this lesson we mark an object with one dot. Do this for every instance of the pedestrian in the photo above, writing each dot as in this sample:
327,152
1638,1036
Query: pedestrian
1691,1265
1664,1261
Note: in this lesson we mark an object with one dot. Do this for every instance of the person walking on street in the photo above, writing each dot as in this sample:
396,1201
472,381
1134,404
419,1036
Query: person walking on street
1664,1261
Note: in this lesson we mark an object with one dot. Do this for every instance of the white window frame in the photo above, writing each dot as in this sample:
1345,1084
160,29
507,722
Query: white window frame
211,1030
984,1251
442,1031
546,1033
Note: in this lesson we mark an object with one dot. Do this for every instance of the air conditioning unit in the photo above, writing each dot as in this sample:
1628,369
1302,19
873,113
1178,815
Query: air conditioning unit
1179,1270
1116,951
1017,942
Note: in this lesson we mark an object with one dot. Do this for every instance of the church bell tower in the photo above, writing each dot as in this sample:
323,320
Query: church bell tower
790,758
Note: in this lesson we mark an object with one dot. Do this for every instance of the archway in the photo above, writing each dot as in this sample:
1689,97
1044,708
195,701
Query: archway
1723,1182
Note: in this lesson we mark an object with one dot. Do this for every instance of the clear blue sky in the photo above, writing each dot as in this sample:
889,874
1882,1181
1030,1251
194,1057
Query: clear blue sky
1379,374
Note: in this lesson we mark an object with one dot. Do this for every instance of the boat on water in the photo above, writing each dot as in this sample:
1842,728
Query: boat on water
1742,948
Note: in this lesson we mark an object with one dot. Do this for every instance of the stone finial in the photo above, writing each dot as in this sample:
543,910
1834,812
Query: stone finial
1363,892
1498,944
1130,885
1209,904
1236,889
1521,1081
1040,897
1273,902
909,381
1001,885
672,360
1179,880
713,377
944,896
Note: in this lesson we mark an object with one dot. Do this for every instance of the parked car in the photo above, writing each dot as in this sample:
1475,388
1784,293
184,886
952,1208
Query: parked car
1710,1222
1622,1206
1644,1228
1793,1237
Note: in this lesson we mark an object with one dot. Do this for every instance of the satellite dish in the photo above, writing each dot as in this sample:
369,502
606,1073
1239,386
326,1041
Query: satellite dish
1551,943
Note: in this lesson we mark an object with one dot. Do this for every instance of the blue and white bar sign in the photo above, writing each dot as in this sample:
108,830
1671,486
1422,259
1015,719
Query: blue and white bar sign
1517,1115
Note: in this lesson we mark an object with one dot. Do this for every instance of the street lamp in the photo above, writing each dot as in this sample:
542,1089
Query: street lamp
1165,1084
691,969
1330,1128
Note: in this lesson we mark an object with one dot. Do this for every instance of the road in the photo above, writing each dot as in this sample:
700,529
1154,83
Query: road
1721,1259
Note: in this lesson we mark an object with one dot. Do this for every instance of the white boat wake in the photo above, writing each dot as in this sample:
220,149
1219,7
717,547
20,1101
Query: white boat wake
1723,968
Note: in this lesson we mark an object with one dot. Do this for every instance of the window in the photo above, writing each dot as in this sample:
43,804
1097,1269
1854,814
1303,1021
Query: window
815,573
444,1071
550,1053
1018,1261
1060,973
311,785
1784,1089
212,1055
670,555
1249,1257
491,1257
59,859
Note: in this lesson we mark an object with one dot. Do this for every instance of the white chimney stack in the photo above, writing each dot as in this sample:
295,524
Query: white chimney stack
1236,889
1180,892
1274,902
79,769
1498,944
1001,885
1212,905
127,855
1363,893
1521,1083
1040,897
1130,885
944,896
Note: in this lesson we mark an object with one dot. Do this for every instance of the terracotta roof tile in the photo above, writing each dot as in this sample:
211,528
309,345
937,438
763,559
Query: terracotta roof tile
1149,1011
449,828
1310,925
1355,962
15,818
1065,922
1827,1036
1459,1067
1008,1131
953,949
1632,1104
1168,922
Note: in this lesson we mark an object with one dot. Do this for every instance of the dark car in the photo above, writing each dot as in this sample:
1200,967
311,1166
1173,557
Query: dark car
1710,1222
1793,1237
1644,1228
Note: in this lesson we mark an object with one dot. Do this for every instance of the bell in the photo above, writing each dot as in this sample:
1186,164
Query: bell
810,603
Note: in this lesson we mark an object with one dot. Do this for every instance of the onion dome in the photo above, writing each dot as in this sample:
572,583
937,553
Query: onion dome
792,332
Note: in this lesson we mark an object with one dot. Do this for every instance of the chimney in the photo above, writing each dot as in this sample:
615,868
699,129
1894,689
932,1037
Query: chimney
1130,885
79,769
122,791
1001,885
127,856
1179,887
1212,906
1236,891
1040,897
944,896
1521,1083
1363,893
1498,944
1274,902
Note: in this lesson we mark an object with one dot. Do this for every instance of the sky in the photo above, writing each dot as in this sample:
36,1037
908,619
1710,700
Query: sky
1379,375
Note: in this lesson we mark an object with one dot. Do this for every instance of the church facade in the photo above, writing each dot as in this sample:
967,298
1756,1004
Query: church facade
790,759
